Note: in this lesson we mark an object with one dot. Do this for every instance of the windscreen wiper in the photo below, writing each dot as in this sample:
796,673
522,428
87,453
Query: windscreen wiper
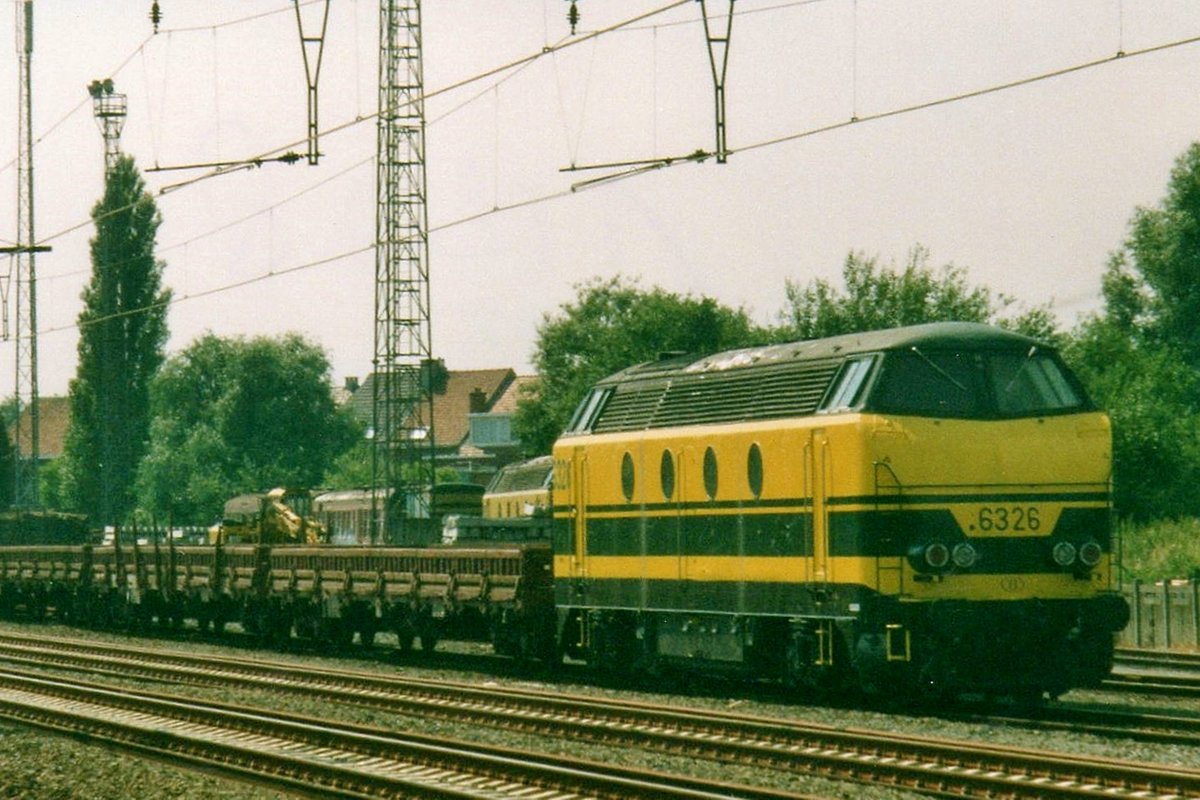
1028,357
939,370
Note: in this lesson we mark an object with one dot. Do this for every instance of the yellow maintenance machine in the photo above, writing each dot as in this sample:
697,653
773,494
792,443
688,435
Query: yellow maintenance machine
279,516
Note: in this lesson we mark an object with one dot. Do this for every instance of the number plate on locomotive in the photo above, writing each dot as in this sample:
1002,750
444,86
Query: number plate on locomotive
1008,519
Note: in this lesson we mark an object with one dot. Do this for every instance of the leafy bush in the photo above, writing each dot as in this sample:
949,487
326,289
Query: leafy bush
1158,550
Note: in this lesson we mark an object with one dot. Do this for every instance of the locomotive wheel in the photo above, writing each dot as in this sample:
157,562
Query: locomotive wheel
614,647
801,670
537,644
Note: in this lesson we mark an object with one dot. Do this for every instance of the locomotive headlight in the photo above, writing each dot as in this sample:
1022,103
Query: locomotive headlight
1063,554
964,555
1090,553
937,555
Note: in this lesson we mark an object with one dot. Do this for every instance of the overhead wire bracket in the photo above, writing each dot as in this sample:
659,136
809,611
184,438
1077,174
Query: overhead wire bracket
312,48
718,59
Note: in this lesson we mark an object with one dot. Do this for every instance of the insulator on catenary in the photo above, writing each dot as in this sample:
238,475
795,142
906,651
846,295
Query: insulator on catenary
573,16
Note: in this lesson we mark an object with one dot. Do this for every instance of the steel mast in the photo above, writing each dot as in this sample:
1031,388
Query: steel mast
26,455
404,370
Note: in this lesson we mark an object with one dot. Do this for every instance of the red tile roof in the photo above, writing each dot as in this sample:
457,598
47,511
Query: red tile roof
451,409
54,416
507,402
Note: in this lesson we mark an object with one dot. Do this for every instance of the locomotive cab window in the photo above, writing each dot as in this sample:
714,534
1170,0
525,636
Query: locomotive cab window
974,384
1030,384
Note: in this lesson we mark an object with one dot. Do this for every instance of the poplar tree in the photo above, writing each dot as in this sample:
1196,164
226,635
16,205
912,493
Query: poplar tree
122,335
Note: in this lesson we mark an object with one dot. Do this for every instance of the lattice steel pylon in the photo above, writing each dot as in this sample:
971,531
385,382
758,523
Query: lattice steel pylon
402,445
26,455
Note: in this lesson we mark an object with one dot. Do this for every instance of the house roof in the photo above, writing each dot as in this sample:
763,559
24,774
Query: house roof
54,416
507,402
451,406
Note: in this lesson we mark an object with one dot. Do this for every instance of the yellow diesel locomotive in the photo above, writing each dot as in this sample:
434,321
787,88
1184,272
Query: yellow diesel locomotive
921,511
519,490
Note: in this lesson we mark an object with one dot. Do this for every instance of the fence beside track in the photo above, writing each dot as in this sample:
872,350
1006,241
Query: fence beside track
1164,615
323,593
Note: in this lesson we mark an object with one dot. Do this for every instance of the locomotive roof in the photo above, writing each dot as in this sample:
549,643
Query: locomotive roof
934,335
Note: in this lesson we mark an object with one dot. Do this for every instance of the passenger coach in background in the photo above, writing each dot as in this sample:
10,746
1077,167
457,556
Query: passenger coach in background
922,510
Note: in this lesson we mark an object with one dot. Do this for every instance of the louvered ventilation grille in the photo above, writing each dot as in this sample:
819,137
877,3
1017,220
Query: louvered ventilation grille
713,397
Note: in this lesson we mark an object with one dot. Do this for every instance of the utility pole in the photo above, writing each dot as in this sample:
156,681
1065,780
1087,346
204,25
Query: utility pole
405,373
25,471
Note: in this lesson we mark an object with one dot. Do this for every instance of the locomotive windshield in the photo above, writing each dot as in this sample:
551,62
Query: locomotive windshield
974,384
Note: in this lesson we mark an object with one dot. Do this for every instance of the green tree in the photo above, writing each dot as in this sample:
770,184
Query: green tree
1140,356
7,465
876,297
1163,251
352,469
122,333
612,324
234,415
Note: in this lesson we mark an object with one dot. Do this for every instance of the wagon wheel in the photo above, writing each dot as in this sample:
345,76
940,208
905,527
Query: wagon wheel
367,630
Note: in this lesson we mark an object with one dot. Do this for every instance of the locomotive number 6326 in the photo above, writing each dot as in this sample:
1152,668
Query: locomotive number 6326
1015,519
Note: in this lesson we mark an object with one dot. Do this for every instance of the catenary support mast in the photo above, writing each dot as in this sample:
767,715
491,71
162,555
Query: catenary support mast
404,370
25,472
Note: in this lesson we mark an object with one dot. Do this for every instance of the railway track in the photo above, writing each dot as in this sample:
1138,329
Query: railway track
324,757
1158,659
936,766
1177,729
1156,672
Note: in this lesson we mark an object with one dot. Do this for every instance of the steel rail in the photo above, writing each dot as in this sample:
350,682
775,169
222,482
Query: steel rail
1136,725
330,757
923,763
1174,659
1153,683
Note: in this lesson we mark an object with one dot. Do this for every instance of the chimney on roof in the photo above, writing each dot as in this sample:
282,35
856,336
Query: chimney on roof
351,383
478,401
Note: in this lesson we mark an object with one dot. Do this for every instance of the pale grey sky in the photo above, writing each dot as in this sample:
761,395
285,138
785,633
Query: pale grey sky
1029,189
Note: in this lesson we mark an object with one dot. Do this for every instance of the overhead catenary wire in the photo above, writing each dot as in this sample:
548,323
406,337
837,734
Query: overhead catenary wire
140,50
516,65
650,165
320,262
527,59
183,243
642,168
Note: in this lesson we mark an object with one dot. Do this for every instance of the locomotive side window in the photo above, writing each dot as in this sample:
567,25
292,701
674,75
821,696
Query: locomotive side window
587,411
847,389
666,474
710,473
627,476
754,470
